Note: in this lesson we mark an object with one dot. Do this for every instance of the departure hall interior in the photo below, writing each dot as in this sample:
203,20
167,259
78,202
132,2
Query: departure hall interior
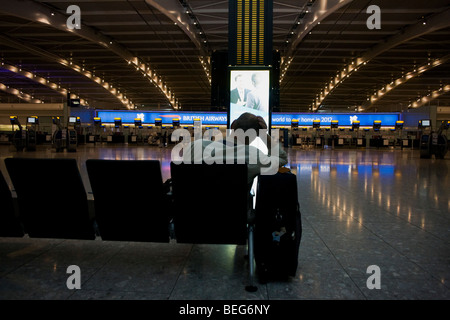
93,95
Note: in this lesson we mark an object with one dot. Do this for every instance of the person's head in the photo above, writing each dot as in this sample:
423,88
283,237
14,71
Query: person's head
248,121
256,79
239,80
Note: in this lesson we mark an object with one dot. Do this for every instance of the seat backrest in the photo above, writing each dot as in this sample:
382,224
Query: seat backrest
129,200
52,198
210,203
10,225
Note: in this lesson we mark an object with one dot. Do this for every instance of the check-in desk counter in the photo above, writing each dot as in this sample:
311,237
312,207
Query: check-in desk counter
389,139
345,140
302,138
102,134
318,137
341,138
381,139
360,142
376,140
296,137
116,137
413,139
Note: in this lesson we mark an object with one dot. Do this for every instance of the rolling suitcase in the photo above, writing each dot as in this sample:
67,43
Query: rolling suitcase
278,227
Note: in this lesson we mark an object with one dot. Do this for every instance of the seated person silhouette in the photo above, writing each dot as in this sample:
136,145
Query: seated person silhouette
240,148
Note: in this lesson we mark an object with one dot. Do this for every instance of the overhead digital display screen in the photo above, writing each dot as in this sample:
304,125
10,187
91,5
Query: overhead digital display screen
426,123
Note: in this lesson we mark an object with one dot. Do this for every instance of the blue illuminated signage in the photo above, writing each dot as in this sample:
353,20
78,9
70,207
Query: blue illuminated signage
345,119
148,117
278,119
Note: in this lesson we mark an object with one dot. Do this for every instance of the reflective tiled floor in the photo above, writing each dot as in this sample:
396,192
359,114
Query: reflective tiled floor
359,208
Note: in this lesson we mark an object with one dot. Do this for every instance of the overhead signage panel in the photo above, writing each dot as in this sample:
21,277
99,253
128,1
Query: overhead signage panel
278,119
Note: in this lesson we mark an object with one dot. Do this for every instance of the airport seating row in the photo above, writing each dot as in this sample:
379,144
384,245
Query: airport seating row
206,204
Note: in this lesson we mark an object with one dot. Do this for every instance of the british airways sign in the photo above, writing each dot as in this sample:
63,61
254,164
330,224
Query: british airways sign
167,117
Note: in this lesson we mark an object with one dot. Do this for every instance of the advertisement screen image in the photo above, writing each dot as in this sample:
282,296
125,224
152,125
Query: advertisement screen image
249,92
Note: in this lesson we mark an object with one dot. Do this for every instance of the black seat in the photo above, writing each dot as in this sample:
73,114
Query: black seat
211,205
129,200
52,198
10,225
